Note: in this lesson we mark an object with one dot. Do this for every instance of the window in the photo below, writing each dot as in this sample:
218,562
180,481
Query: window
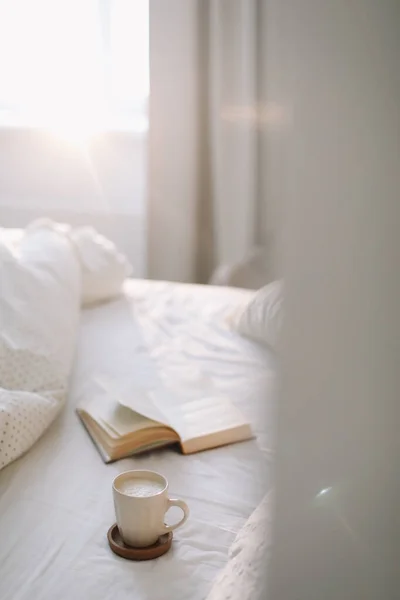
74,66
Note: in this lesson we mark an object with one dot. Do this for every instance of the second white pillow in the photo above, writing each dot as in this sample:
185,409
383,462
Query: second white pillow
261,318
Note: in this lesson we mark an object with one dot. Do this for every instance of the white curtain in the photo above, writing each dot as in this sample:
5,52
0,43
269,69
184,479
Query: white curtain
206,202
232,63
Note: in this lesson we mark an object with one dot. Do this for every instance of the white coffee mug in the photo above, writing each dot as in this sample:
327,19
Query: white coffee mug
141,501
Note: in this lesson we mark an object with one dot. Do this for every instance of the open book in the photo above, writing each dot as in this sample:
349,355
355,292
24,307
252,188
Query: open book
121,426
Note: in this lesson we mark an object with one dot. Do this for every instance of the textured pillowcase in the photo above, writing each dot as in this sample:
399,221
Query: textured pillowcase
261,318
39,315
243,577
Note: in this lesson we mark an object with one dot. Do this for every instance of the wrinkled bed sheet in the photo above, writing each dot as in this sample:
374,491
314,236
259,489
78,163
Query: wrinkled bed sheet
56,502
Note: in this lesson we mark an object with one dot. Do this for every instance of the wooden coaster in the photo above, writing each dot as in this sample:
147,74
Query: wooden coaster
119,547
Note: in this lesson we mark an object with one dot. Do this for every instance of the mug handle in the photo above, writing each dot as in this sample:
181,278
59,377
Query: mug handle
184,507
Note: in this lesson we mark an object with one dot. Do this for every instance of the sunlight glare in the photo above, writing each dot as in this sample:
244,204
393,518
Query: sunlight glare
70,65
73,128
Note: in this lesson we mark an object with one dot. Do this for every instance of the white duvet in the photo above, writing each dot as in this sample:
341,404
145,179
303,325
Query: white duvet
46,273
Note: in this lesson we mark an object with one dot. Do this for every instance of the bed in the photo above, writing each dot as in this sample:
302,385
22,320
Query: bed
56,501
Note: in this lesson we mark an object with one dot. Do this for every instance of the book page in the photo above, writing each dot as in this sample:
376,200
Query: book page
114,418
134,397
200,416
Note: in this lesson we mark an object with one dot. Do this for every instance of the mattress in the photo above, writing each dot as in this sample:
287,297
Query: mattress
56,502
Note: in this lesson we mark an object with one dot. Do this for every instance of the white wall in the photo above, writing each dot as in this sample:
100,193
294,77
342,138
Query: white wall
339,411
102,184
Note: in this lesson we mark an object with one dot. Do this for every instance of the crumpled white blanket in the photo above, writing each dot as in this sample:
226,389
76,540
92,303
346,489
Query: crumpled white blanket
244,576
47,271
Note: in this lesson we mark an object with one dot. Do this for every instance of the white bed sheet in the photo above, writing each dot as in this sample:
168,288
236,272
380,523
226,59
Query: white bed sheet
56,502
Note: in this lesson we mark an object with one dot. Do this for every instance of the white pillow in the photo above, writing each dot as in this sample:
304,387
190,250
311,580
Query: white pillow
104,268
261,318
